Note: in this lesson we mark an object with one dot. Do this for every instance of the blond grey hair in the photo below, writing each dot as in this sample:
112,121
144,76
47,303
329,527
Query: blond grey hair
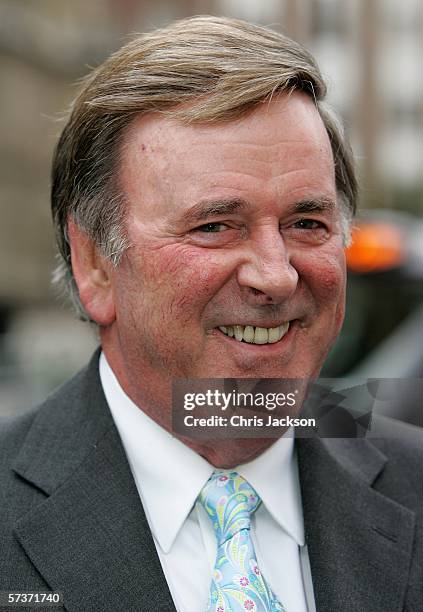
223,67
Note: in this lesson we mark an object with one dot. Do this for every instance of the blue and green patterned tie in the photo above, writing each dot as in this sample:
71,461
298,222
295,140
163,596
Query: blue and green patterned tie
237,583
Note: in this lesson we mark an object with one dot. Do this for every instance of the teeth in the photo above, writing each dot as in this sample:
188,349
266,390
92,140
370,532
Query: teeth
273,334
261,336
255,335
249,334
238,332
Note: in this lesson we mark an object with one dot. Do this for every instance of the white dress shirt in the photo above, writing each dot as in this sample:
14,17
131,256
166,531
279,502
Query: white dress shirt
169,477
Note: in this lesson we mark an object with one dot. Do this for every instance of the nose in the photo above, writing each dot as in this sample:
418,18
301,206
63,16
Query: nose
266,275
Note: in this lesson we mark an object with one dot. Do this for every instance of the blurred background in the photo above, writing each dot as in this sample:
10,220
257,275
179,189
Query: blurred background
370,52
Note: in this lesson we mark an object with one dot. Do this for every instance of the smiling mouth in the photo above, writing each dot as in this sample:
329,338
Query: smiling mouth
255,335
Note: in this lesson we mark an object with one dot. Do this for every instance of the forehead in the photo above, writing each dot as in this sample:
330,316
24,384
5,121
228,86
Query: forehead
278,148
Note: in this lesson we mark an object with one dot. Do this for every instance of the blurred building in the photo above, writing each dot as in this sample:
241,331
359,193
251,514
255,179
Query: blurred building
371,52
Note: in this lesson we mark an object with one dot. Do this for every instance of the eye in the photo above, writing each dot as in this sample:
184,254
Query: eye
308,231
215,234
211,228
308,224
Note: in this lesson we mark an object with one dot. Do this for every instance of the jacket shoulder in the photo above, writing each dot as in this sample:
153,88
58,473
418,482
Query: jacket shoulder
14,428
402,444
13,431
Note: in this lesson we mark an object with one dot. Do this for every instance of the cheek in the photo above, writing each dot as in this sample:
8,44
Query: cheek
325,275
331,291
180,278
330,282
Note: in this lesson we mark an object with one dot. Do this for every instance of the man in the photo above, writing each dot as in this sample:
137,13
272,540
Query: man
202,193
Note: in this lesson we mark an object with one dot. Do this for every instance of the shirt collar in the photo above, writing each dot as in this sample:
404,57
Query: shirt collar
169,475
274,475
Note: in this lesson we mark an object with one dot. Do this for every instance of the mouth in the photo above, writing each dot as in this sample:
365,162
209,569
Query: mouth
252,334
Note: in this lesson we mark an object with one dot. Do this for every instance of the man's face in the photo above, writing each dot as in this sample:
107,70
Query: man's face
231,224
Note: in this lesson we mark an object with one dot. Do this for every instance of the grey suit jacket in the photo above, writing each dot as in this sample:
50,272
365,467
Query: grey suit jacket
71,519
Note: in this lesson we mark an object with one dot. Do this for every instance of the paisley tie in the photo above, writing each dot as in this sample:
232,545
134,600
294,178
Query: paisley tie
237,582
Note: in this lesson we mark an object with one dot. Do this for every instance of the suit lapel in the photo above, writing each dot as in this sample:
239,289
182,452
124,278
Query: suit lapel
359,541
90,538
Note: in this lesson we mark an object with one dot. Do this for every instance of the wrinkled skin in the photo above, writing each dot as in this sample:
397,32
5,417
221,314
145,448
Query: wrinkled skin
273,252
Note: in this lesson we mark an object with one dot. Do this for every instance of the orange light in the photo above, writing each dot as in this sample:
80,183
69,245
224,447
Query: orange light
375,247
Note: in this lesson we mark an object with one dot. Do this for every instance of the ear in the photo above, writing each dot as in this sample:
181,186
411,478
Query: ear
92,275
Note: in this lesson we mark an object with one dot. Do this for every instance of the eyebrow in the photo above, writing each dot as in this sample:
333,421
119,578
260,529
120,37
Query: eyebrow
205,209
318,205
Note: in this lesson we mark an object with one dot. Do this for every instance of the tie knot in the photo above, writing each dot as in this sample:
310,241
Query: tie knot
229,501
